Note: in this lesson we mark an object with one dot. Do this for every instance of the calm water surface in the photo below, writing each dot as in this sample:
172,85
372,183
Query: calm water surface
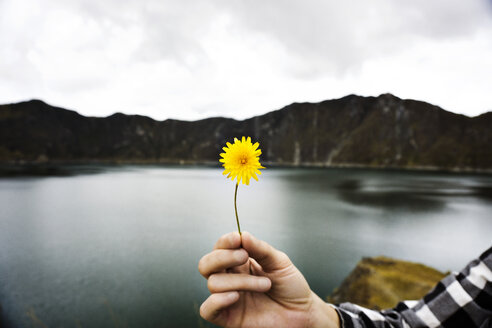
120,248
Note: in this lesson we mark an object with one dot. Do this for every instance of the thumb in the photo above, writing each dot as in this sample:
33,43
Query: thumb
267,256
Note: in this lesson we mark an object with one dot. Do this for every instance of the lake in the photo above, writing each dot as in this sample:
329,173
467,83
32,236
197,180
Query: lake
119,246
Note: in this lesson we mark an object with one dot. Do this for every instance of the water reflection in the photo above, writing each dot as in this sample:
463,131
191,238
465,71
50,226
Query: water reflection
47,170
484,192
127,241
414,195
356,193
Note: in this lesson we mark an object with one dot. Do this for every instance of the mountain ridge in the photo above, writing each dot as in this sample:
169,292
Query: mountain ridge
383,131
36,100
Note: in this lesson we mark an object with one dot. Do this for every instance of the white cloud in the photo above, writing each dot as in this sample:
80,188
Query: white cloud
194,59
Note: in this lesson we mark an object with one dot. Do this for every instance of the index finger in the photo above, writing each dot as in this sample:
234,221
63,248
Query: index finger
230,240
266,255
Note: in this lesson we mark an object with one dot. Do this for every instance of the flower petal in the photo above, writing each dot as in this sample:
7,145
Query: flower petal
241,160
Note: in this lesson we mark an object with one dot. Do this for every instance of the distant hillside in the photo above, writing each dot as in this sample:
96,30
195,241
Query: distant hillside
382,131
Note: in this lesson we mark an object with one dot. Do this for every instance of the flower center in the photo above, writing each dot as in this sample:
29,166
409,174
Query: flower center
243,160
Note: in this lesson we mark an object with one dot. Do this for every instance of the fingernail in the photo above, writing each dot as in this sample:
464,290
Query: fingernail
264,283
251,237
232,295
239,255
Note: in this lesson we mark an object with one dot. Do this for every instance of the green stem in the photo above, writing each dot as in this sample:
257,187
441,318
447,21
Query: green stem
235,207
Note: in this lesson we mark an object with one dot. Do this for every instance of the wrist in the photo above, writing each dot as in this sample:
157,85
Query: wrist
322,314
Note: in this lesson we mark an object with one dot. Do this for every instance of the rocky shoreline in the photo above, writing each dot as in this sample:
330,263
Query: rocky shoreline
46,168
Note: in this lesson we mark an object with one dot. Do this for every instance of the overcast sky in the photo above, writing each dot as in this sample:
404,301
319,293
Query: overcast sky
191,59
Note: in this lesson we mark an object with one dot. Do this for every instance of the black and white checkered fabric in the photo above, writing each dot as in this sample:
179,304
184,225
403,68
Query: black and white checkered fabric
460,300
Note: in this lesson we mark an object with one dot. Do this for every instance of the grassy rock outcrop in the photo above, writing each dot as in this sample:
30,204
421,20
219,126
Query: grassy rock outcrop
381,282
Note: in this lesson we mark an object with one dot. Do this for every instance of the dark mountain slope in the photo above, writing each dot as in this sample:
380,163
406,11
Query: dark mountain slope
382,131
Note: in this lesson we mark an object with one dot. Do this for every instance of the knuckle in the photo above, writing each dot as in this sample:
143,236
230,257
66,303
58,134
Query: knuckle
230,239
203,312
283,257
221,241
212,283
202,265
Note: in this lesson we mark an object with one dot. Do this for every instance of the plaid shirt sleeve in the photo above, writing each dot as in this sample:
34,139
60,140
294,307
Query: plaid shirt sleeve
460,300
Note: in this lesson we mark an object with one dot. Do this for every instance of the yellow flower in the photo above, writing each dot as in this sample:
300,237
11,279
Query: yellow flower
241,160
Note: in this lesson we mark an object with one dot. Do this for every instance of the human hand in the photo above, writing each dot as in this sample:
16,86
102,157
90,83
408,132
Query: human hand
258,286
